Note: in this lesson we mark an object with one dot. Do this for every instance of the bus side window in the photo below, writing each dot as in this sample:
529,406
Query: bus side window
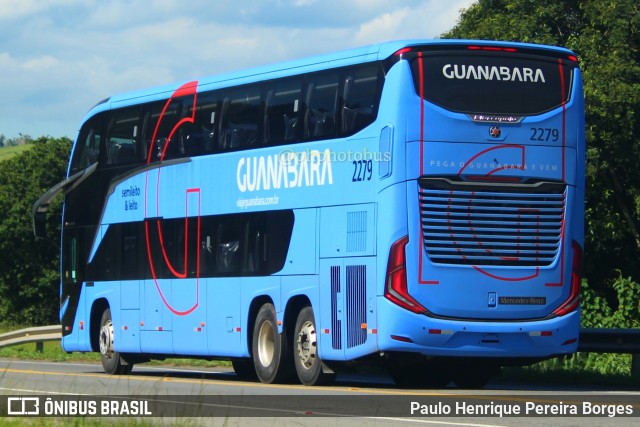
233,245
162,125
255,246
322,98
241,112
122,137
227,246
209,245
224,130
360,99
282,116
70,274
130,255
145,136
205,131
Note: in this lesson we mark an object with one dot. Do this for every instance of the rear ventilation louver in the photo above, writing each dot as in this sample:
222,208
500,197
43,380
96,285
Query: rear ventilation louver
336,323
356,305
356,231
485,224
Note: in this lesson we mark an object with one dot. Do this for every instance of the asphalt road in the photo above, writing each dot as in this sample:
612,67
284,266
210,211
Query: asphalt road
216,397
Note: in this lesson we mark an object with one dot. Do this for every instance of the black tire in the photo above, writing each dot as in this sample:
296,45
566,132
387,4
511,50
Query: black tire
305,348
270,350
244,369
474,375
418,372
112,361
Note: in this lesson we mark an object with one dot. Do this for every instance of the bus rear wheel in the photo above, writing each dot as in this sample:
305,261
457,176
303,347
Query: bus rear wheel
305,342
112,361
416,371
244,369
270,350
475,375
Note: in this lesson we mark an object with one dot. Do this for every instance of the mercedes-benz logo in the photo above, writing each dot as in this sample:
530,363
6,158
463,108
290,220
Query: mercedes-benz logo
495,131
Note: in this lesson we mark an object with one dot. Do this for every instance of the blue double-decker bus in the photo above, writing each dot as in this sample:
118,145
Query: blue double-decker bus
418,203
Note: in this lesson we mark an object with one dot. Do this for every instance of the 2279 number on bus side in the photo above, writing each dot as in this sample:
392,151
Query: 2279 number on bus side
362,170
544,134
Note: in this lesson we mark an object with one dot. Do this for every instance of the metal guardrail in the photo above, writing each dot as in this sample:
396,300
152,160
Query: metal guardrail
37,334
601,340
596,340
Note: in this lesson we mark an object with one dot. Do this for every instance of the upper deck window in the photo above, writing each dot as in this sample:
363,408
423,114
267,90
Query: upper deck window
325,104
122,136
503,83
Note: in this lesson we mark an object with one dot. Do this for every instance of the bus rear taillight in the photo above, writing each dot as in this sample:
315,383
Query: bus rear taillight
573,301
493,48
396,280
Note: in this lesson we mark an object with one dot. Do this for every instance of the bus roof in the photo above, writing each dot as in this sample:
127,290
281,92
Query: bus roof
306,65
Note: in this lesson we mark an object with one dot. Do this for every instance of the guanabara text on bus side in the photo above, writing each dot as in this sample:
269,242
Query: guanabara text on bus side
418,204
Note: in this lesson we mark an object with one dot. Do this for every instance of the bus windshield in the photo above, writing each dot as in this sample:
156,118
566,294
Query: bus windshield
490,82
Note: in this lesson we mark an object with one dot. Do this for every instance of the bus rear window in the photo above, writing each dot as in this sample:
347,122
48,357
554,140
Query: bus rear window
492,83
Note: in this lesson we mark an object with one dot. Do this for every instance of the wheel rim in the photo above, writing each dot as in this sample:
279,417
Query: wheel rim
106,340
307,345
266,344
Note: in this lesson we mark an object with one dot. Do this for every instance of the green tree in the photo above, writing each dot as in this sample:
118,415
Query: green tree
29,268
606,37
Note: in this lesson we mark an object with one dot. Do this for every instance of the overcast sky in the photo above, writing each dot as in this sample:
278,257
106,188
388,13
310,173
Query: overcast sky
59,57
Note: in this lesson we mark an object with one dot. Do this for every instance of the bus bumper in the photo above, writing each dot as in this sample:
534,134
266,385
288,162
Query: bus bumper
404,331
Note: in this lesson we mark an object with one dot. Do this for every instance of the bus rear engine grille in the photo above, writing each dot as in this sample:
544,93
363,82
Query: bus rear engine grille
517,225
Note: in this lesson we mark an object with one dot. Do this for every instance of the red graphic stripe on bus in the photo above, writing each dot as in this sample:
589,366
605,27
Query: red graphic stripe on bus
186,90
421,88
489,176
564,144
522,149
421,73
564,111
561,282
508,279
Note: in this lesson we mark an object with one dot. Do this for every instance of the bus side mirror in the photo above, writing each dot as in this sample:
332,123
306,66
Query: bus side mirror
40,224
41,206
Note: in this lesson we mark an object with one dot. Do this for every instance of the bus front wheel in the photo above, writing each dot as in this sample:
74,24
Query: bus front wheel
269,348
308,364
112,361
